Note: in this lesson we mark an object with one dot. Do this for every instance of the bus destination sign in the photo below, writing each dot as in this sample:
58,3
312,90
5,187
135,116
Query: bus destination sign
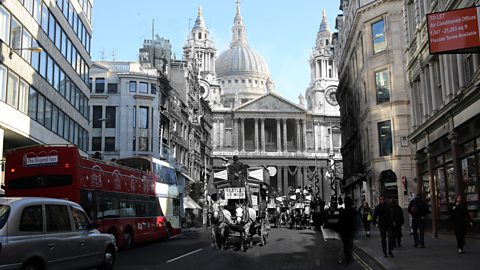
40,161
235,193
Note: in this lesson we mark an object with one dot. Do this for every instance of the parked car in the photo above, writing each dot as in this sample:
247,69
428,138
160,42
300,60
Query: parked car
48,234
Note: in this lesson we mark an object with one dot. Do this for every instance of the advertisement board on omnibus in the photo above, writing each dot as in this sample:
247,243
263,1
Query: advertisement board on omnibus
120,199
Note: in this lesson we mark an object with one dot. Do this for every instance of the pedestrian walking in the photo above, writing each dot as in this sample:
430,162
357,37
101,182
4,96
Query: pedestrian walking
346,228
366,217
398,221
460,219
418,209
382,217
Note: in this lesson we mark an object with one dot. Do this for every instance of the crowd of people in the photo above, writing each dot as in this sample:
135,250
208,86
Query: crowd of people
388,217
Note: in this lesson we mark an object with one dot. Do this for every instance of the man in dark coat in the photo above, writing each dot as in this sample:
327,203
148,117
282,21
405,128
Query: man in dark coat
398,221
383,214
347,224
418,209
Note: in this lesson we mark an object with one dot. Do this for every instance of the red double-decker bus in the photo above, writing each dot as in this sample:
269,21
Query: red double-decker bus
120,199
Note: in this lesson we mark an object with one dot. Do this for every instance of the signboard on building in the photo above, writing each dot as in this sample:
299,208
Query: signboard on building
235,193
454,31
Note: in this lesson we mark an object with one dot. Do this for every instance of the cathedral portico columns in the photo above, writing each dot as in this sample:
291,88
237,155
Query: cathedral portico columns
235,133
256,135
221,131
279,137
262,133
285,180
280,178
298,137
242,132
304,135
285,149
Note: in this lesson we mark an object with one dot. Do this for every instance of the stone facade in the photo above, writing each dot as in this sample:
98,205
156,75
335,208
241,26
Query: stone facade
374,101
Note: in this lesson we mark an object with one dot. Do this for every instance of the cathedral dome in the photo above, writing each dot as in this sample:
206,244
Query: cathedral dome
241,60
242,73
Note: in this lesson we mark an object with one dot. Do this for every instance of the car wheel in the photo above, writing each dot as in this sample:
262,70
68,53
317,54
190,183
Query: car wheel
108,259
32,265
127,239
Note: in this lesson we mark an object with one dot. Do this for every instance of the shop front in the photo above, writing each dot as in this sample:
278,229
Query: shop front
451,166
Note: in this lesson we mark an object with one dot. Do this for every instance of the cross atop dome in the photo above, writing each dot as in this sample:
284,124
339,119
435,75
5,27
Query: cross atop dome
239,35
238,6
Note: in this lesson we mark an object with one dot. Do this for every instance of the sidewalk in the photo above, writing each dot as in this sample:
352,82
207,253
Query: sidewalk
440,253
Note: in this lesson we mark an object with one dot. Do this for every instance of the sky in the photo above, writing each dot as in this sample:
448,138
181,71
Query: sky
283,32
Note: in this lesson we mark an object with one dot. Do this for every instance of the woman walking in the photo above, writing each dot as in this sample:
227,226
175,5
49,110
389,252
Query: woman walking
460,219
366,215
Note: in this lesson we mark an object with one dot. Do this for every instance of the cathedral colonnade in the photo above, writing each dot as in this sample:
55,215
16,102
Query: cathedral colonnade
264,134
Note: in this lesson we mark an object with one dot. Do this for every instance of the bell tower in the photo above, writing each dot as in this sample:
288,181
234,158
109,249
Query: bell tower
320,94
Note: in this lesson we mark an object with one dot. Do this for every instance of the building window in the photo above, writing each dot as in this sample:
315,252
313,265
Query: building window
4,25
49,71
41,109
132,86
143,87
97,116
378,36
23,97
12,90
110,113
3,83
54,119
385,138
112,88
26,43
48,114
109,143
32,102
143,117
134,144
96,143
153,89
382,86
99,85
142,144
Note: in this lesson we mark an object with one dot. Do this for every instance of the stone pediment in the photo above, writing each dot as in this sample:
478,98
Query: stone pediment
270,103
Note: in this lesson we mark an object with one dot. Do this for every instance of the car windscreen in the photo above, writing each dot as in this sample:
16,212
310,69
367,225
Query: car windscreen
4,212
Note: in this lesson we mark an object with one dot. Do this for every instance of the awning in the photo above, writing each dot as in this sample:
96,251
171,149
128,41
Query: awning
189,203
189,178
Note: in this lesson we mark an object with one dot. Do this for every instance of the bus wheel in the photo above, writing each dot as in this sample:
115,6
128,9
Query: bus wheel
113,232
127,239
169,230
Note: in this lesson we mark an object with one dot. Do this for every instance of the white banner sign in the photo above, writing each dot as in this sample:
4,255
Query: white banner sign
254,200
235,193
40,161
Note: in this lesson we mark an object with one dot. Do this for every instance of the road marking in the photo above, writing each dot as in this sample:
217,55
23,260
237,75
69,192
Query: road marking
361,262
184,255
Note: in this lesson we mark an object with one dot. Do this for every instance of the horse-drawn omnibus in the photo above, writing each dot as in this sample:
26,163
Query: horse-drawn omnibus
241,206
122,200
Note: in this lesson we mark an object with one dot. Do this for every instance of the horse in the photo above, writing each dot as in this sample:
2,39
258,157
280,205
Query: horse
245,223
220,220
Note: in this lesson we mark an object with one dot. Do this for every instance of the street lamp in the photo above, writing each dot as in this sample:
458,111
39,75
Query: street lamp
33,49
